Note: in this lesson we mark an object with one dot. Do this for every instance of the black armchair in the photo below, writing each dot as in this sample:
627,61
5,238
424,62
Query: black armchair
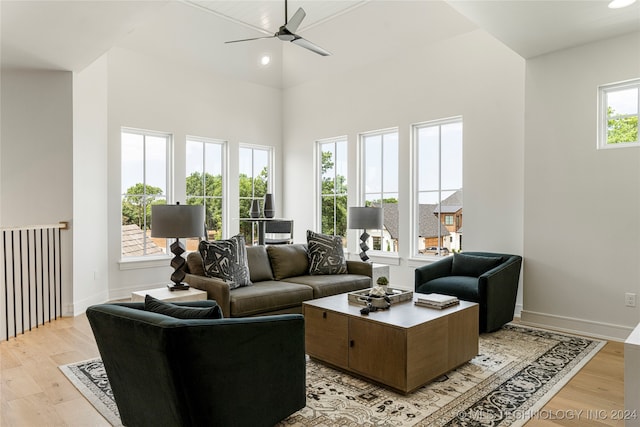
489,279
196,372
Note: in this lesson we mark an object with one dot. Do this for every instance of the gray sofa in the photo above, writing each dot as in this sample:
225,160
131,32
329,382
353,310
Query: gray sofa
281,281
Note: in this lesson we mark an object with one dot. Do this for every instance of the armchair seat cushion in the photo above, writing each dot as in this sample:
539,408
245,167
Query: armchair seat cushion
463,287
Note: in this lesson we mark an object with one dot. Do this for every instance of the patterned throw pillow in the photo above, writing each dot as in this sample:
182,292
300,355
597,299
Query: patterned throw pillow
326,255
226,260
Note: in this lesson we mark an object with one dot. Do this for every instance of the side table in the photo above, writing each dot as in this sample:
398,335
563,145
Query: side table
165,294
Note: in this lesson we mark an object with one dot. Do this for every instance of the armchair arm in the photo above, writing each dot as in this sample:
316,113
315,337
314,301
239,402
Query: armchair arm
498,288
216,289
360,267
432,271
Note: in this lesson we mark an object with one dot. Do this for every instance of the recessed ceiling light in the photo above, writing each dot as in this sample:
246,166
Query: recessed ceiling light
265,60
618,4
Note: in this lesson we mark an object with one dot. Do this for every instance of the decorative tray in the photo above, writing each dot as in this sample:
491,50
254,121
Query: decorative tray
395,295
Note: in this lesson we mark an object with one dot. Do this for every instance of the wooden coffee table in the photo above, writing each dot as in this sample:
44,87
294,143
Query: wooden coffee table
403,348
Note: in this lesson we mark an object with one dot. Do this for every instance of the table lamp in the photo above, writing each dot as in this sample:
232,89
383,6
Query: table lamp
177,221
361,218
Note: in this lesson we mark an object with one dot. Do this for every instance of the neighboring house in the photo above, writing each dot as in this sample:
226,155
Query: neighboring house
444,235
133,242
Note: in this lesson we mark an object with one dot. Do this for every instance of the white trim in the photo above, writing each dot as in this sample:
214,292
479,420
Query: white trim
573,325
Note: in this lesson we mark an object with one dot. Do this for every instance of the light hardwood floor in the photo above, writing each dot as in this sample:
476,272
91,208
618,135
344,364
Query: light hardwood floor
34,392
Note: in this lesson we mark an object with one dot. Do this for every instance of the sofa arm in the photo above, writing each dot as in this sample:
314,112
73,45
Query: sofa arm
216,289
432,271
360,267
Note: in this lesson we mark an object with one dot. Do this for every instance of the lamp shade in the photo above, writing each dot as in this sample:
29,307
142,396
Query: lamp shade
177,221
362,218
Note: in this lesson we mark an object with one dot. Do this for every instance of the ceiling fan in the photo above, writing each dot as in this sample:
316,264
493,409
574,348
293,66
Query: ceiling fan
287,33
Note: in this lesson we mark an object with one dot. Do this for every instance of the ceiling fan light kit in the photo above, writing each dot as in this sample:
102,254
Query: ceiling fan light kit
287,33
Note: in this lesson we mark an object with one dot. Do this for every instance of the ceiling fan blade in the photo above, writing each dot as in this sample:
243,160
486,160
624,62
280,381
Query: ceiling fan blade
293,23
246,40
308,45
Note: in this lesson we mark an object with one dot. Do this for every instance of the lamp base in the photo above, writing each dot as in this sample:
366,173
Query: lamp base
363,246
178,286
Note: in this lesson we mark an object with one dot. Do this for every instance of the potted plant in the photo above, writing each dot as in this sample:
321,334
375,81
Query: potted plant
383,282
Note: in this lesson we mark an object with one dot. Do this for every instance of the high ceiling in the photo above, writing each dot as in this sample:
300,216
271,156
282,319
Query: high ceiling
69,35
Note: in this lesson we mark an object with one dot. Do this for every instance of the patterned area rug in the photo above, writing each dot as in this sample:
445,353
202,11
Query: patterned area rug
516,373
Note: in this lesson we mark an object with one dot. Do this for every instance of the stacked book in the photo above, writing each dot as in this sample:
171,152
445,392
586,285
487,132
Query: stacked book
438,301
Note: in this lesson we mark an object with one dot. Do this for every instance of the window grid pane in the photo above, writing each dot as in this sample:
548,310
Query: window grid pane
333,188
254,168
204,184
618,115
438,160
144,181
380,169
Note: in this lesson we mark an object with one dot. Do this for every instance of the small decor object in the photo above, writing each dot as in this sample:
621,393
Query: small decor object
396,296
383,282
361,218
438,301
255,209
177,221
269,208
377,299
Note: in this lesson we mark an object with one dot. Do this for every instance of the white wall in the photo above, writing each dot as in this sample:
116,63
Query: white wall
146,93
582,205
90,261
472,75
36,156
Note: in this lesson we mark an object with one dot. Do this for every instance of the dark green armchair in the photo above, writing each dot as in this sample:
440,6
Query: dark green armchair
200,372
489,279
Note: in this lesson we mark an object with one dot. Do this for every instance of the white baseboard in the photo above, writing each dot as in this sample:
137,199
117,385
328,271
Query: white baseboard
586,327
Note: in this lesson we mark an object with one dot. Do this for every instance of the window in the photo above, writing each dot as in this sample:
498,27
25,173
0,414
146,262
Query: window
205,183
438,187
144,180
332,168
619,104
254,182
380,184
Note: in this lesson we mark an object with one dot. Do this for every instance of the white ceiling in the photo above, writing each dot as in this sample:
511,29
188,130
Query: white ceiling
69,35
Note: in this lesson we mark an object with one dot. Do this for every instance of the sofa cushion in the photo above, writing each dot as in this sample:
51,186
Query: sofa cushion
259,265
326,255
226,260
288,260
473,265
181,312
463,287
267,296
332,284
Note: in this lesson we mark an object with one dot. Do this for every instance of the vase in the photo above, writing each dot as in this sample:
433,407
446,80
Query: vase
269,208
255,208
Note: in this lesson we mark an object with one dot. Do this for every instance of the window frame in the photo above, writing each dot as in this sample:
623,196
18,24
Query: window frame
168,193
269,184
415,193
362,194
319,180
603,116
223,172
